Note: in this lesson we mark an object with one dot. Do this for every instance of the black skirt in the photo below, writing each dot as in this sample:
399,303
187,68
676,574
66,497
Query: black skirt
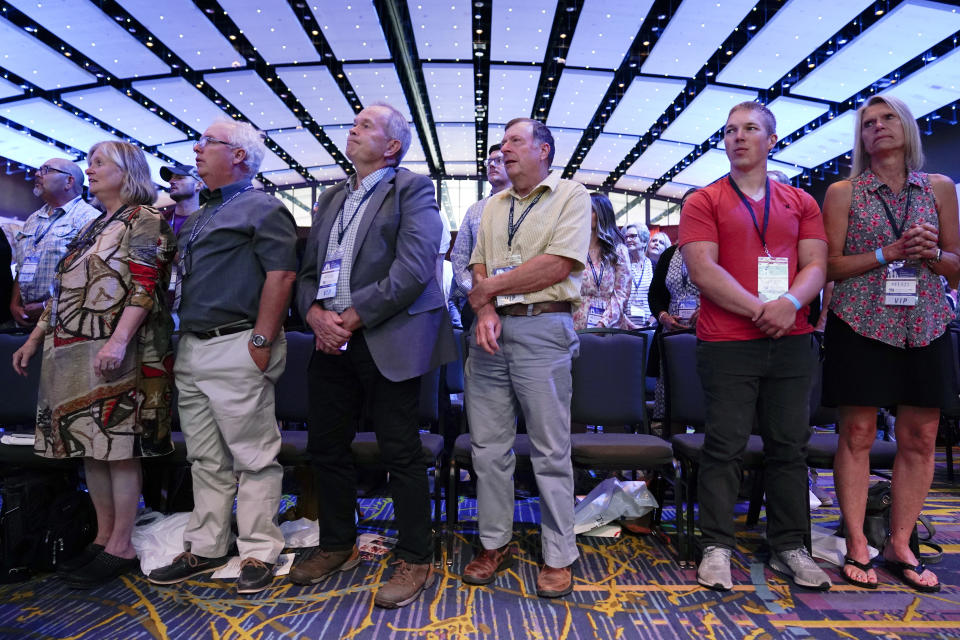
859,371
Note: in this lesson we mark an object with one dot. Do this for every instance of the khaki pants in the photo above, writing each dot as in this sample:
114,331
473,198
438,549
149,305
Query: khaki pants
227,416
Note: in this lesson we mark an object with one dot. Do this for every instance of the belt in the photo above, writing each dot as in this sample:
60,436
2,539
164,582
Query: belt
222,331
534,309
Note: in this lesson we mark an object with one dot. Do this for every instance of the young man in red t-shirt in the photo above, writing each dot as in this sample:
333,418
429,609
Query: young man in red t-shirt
757,250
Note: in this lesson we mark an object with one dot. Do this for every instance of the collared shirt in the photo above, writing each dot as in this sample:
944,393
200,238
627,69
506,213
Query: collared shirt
354,208
641,274
559,224
859,300
463,249
228,261
44,238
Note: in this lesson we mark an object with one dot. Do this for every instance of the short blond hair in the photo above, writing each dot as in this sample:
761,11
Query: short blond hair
136,187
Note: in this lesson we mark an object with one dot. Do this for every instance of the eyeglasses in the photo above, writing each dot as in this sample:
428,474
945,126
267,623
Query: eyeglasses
205,140
44,170
631,236
495,162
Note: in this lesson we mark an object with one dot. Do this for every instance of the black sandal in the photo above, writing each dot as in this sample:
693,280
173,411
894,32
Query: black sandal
899,570
863,566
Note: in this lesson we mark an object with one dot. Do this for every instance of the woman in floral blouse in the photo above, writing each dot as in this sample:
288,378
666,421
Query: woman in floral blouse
605,286
892,232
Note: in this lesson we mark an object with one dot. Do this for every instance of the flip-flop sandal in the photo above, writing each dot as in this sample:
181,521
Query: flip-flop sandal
863,566
899,570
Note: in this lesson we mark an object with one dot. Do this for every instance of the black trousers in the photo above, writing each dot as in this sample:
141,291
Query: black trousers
340,387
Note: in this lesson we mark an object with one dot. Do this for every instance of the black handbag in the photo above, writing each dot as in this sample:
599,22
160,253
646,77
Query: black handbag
876,524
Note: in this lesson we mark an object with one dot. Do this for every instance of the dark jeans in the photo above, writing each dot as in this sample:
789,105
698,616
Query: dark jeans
339,387
770,380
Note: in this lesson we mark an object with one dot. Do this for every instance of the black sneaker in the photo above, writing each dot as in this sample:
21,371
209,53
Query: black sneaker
101,570
82,559
186,565
255,576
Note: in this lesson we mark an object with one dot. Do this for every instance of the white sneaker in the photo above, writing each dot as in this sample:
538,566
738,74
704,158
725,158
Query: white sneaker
798,564
714,569
826,500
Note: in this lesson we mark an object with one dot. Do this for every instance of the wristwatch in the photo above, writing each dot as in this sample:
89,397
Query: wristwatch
260,341
939,253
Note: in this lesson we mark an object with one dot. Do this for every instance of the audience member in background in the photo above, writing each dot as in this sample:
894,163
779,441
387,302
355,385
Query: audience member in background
637,310
892,231
674,302
185,186
526,280
606,286
659,242
105,381
368,290
237,262
6,282
43,240
467,235
757,251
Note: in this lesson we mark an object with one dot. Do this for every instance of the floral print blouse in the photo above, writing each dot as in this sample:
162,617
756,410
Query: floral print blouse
610,294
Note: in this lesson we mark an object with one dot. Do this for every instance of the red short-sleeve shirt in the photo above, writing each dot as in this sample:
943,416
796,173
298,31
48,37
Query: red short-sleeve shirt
717,214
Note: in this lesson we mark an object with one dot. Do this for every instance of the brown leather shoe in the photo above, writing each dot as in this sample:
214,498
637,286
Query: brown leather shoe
317,564
485,566
405,585
553,582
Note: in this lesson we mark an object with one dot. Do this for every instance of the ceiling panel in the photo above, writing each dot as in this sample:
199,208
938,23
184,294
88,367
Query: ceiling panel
37,63
608,151
109,106
822,144
793,113
319,94
284,177
789,169
674,190
934,86
450,88
352,29
711,165
457,142
578,95
566,141
706,114
96,35
273,29
9,89
303,146
693,35
634,183
442,29
61,125
183,100
185,29
591,178
250,94
643,103
461,168
605,31
513,90
658,158
331,172
24,148
521,31
794,31
904,33
377,82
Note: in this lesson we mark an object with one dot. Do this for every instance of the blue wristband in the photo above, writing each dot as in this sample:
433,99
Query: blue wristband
796,303
879,254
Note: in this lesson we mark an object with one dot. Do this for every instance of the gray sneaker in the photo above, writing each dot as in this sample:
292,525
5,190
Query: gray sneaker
798,564
714,569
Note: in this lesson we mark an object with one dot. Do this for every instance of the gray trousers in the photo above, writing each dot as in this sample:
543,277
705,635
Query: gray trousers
228,420
530,373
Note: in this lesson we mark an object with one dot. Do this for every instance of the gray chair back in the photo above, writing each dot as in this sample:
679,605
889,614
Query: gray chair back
684,401
19,406
609,378
291,388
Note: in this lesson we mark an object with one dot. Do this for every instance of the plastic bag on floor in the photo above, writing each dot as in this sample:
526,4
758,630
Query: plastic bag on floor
300,533
612,499
158,539
831,547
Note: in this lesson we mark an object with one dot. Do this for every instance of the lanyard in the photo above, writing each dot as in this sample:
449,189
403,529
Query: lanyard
511,227
198,226
753,216
597,279
897,230
638,281
53,221
342,228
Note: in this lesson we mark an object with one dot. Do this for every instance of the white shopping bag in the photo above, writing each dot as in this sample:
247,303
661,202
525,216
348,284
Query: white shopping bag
158,539
300,533
612,499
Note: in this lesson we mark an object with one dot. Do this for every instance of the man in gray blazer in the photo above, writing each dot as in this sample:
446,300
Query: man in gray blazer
369,291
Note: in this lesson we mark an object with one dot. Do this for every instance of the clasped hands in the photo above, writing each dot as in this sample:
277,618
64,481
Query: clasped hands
919,242
331,330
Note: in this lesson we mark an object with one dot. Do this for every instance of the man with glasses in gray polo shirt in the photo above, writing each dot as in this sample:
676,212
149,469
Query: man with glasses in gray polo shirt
237,265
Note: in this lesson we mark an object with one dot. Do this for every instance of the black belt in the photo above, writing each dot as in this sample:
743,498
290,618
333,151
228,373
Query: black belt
222,331
534,309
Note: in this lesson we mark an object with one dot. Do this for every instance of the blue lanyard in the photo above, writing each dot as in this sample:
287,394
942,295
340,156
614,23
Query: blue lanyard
511,227
53,221
753,216
341,228
597,279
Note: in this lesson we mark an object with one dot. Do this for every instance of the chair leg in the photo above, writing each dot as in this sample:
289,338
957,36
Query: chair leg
452,493
437,517
951,429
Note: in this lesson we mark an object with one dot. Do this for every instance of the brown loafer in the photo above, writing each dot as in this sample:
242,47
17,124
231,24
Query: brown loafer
317,564
553,582
405,585
485,566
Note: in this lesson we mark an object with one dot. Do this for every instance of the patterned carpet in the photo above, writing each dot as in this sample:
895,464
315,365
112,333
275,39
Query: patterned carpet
629,587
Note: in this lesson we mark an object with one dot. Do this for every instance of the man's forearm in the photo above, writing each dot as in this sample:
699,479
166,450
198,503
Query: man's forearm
274,302
533,275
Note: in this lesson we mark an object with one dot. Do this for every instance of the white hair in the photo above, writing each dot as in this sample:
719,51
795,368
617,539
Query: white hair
397,128
244,135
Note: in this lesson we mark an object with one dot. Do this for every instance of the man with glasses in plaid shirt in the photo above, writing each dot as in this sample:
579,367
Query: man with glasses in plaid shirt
43,240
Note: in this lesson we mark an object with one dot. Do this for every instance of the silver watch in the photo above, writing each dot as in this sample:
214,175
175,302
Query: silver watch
260,341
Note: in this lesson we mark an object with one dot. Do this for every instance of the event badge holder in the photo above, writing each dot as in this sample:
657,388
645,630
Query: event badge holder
686,308
901,278
29,270
773,273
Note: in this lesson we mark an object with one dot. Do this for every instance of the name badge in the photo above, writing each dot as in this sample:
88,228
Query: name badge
29,270
773,277
329,275
900,286
636,311
688,306
176,285
513,261
594,316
